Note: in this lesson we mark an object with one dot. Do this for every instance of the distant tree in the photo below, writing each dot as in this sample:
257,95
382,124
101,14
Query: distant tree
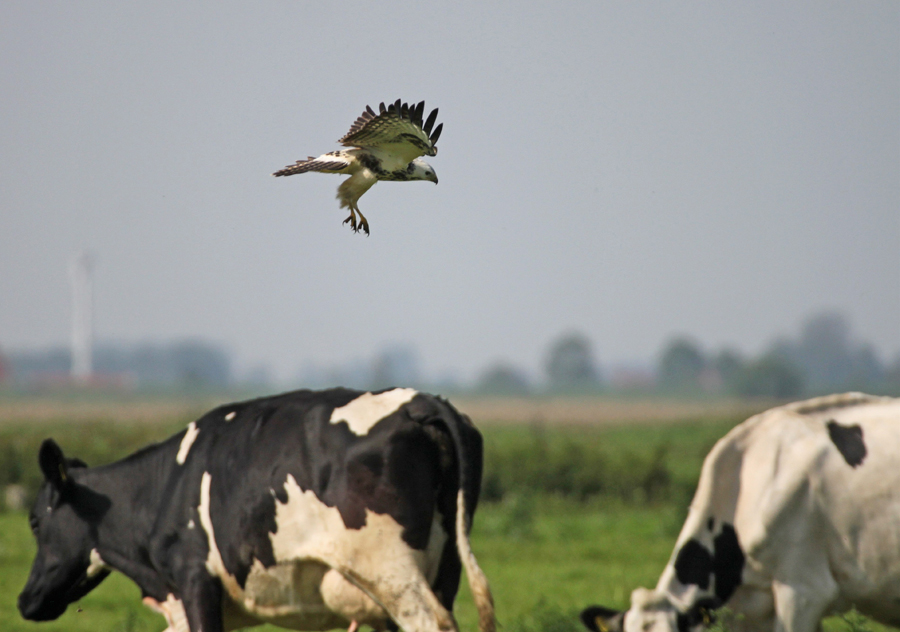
570,364
866,371
729,366
892,377
188,363
396,365
258,376
823,352
4,369
828,358
28,366
199,364
681,365
191,363
770,376
503,379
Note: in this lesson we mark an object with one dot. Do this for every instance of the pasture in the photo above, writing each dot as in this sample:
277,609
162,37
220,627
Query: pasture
572,514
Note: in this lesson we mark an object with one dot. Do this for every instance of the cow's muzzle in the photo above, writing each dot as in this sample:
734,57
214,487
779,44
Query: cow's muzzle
37,605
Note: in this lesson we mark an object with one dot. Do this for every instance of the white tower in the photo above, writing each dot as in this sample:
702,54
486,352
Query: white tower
80,272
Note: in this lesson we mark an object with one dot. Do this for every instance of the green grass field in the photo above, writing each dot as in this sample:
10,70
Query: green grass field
575,516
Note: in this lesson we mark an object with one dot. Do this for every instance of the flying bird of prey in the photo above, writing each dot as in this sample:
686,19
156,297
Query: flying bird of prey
386,146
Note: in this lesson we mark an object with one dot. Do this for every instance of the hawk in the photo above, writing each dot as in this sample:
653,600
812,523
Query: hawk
386,146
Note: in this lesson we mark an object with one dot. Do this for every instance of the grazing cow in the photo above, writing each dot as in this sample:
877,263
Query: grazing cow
308,510
796,515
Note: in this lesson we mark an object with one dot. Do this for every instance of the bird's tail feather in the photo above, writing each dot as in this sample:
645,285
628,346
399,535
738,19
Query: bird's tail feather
312,164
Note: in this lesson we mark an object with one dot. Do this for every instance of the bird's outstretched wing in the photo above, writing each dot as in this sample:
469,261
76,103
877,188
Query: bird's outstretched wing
329,163
398,129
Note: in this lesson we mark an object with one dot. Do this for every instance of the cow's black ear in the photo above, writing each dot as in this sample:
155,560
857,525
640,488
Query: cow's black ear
53,464
600,619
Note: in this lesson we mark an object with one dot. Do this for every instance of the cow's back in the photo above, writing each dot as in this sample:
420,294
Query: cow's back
796,514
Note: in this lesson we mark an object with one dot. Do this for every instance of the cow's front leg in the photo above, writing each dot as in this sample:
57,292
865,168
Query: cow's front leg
202,598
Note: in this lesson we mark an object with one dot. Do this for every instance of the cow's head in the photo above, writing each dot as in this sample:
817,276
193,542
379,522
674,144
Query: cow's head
64,520
650,611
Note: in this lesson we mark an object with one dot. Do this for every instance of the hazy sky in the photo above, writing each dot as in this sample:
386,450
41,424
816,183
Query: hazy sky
630,170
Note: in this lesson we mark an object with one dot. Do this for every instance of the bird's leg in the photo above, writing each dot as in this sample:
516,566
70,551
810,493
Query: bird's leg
362,221
352,220
354,626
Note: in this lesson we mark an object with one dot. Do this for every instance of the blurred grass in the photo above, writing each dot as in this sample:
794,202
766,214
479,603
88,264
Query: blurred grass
636,464
573,515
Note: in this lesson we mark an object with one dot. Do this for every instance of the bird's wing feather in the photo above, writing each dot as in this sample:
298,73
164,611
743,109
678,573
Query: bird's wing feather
398,129
328,163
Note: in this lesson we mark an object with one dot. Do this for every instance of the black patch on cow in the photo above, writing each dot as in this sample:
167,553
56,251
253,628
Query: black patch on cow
400,480
694,564
324,476
728,562
849,442
711,523
88,504
260,420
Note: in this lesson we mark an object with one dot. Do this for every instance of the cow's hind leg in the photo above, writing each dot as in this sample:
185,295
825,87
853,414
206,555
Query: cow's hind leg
800,608
398,588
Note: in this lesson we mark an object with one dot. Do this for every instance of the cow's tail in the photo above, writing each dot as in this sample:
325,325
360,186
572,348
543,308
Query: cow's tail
468,447
478,583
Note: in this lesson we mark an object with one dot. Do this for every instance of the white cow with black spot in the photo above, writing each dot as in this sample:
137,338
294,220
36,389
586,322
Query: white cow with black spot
796,515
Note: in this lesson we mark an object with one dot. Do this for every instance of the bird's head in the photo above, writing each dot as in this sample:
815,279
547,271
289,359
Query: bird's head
423,171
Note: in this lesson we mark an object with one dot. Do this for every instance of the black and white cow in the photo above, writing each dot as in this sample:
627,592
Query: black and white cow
796,515
308,510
